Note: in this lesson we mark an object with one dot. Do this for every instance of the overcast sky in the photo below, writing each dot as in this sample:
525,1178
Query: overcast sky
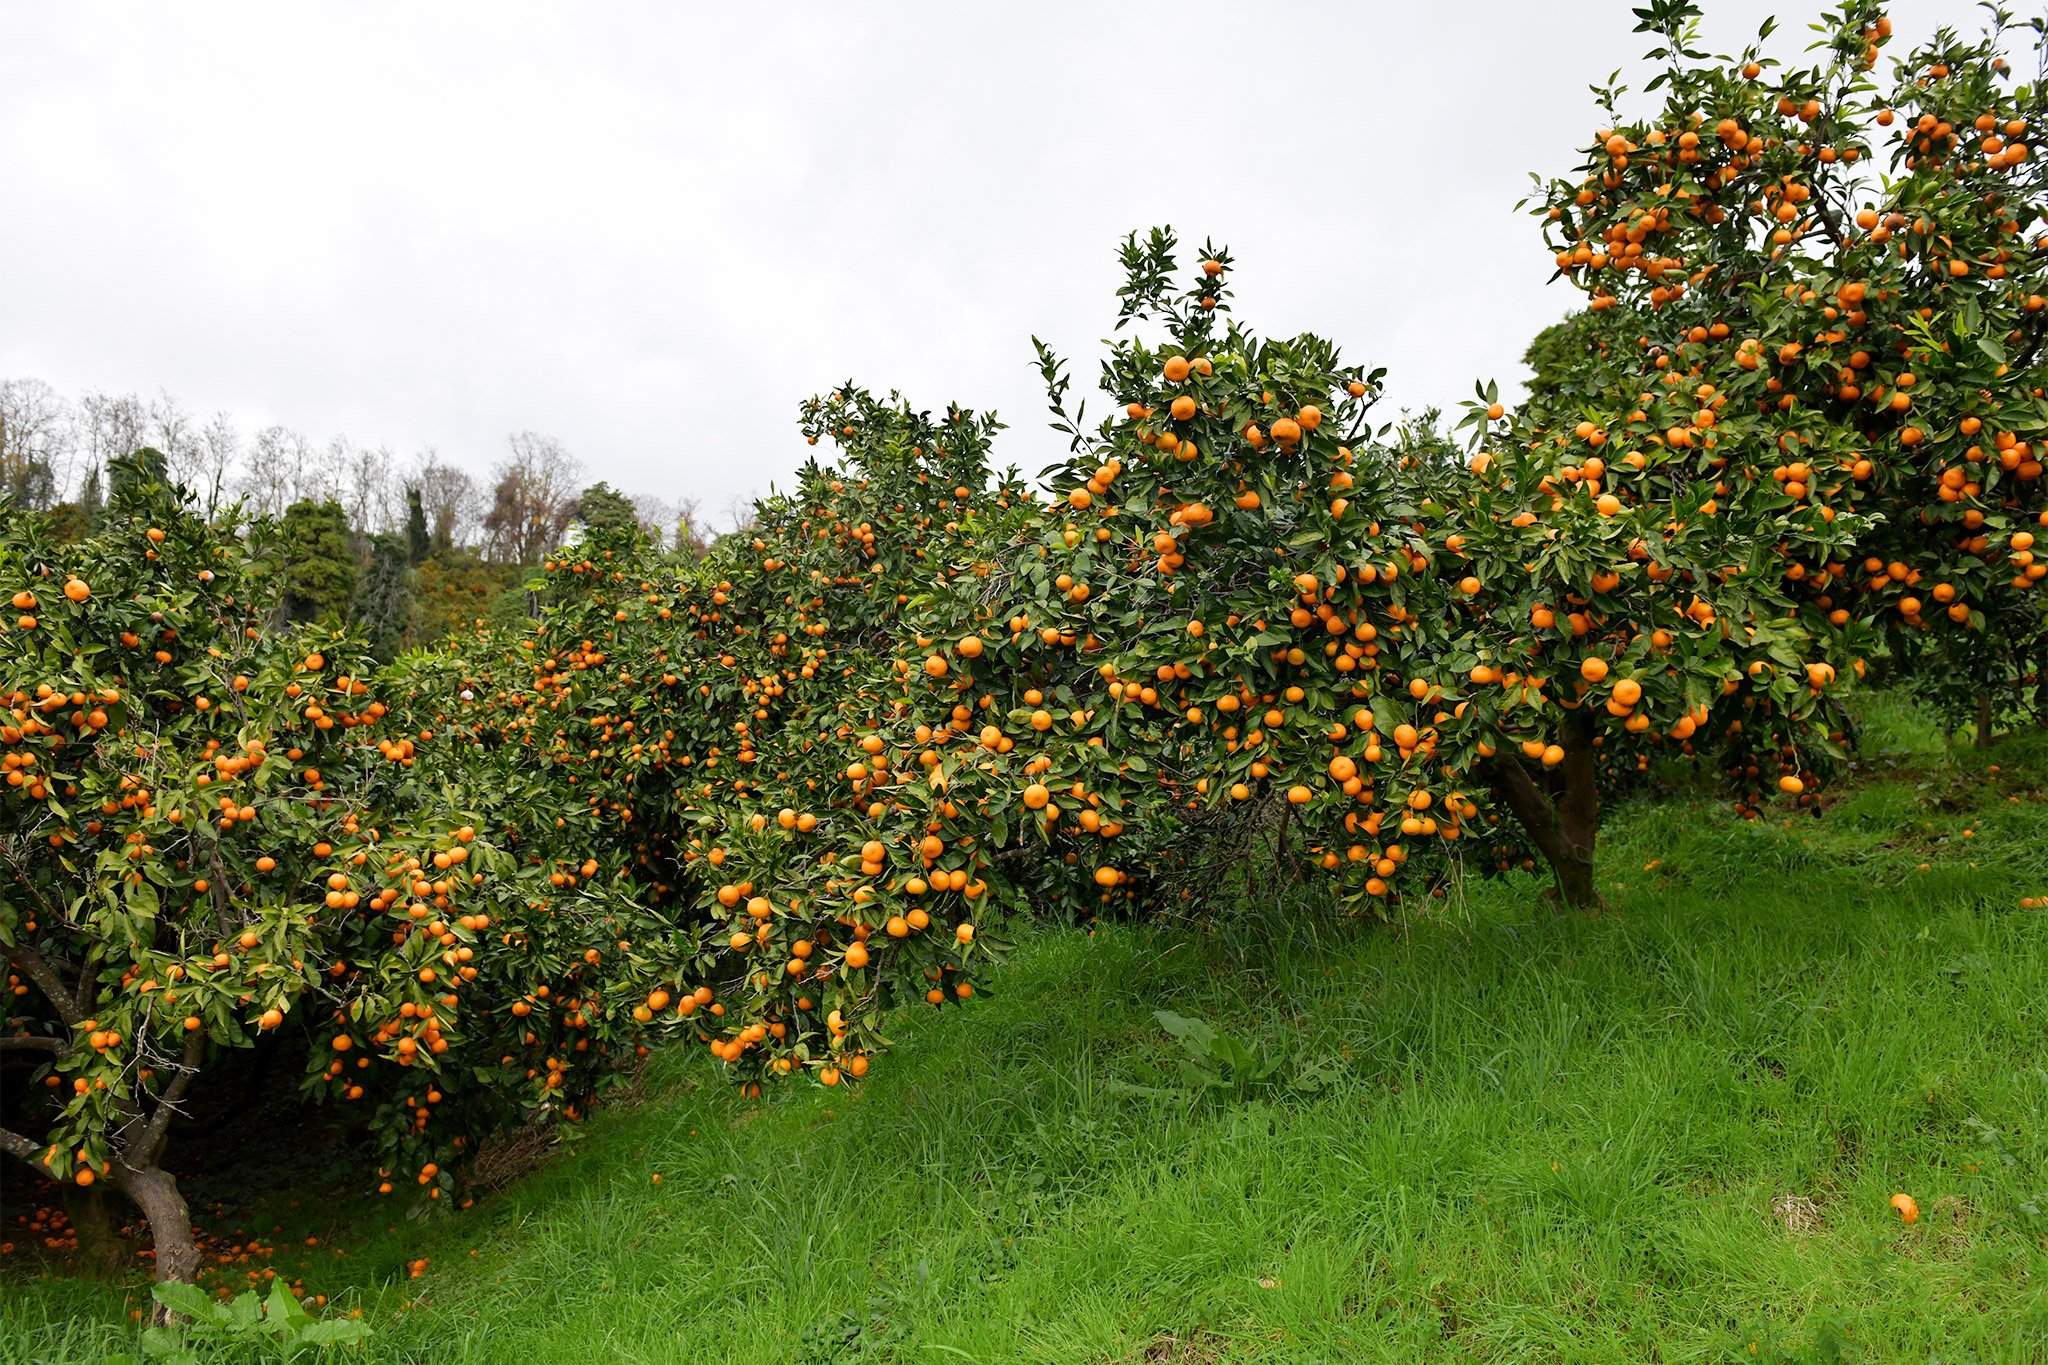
650,229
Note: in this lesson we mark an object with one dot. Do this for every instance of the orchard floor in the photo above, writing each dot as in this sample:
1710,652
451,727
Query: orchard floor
1669,1132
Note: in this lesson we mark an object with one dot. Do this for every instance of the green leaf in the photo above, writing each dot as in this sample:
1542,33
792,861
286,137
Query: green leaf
283,1307
165,1344
187,1299
243,1311
142,899
336,1332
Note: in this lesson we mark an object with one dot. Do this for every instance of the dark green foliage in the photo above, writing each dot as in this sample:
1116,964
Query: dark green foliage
26,481
383,600
317,556
1563,351
418,542
92,498
130,476
604,510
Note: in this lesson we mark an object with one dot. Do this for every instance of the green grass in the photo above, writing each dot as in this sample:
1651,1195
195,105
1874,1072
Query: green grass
1499,1134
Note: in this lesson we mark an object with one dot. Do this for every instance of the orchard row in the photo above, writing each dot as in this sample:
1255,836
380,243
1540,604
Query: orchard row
752,802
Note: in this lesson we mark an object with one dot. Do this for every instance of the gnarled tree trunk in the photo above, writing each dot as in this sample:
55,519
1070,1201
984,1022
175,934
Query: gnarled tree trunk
155,1191
1562,819
136,1169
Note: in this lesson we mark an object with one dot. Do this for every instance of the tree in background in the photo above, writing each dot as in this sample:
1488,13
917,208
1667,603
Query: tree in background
317,555
126,473
533,499
202,458
110,427
452,592
368,491
670,523
35,442
92,498
75,520
419,542
603,508
284,468
383,600
450,499
45,440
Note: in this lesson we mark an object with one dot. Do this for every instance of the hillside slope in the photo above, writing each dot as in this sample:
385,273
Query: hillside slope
1669,1132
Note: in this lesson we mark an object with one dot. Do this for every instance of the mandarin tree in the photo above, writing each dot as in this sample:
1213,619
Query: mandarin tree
217,840
1851,265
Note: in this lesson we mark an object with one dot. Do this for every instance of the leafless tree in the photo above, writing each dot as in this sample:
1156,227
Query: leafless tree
689,527
656,515
449,497
36,443
370,493
283,467
171,429
533,499
47,445
206,459
111,425
739,510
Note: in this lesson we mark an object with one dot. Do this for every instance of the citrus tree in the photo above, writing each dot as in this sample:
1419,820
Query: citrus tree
218,839
754,799
1850,266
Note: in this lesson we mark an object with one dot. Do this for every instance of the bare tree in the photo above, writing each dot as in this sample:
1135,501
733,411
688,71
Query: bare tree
283,468
169,428
111,425
656,515
46,443
36,443
370,494
740,510
450,499
533,499
206,459
688,528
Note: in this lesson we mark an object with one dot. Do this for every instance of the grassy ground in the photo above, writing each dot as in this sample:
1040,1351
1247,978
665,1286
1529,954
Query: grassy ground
1669,1132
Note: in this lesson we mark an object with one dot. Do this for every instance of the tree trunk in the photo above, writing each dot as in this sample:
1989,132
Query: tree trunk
1565,830
155,1192
1574,873
101,1252
1984,719
1578,814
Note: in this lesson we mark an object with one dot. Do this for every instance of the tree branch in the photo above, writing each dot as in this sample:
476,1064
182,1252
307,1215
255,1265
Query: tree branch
1529,802
48,982
16,1145
56,1047
147,1145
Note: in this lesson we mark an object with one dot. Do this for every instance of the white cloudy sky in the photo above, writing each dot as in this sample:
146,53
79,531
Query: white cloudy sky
651,228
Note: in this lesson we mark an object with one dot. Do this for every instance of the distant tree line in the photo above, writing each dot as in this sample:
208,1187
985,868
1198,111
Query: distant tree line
411,548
